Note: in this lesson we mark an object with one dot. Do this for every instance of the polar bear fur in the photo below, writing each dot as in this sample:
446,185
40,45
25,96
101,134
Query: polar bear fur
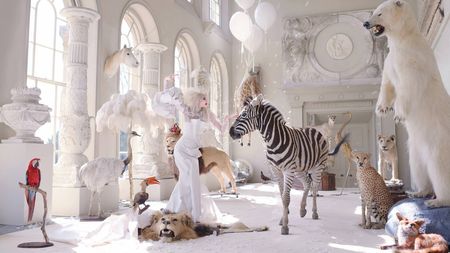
387,156
412,87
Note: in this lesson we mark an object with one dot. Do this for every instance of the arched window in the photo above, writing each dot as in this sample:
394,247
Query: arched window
134,32
48,35
130,78
214,11
183,64
186,59
215,91
218,91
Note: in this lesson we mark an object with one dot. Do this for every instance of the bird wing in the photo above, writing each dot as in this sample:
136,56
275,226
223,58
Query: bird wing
27,177
39,178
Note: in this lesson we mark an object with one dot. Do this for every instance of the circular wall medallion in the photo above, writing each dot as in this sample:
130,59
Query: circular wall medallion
339,46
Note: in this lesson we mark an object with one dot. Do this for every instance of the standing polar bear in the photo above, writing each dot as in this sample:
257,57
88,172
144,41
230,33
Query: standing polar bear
412,87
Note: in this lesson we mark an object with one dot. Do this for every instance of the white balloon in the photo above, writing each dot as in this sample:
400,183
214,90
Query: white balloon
265,15
240,25
245,4
255,39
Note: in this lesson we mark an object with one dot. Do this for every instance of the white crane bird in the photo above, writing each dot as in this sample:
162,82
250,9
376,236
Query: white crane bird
96,174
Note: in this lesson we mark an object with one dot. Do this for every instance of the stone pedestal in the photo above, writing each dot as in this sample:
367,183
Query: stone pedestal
72,201
15,159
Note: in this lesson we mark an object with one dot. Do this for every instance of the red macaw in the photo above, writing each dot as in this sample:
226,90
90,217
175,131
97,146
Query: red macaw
34,180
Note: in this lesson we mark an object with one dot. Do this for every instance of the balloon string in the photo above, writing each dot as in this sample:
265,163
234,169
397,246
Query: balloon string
242,52
265,41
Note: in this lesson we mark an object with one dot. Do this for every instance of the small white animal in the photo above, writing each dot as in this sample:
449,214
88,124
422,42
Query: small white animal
388,156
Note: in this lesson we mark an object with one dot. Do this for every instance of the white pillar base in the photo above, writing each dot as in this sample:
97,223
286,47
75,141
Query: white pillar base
72,201
15,159
157,192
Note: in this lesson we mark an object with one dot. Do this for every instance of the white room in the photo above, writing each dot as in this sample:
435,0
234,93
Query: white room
224,125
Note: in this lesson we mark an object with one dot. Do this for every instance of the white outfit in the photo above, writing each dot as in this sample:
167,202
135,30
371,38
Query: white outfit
187,194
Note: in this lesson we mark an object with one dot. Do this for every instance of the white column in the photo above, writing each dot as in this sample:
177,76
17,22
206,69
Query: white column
149,150
151,66
75,130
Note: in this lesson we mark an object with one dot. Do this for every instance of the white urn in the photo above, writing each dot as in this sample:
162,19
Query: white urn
25,115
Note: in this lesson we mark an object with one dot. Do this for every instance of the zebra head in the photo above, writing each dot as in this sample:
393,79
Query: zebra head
247,120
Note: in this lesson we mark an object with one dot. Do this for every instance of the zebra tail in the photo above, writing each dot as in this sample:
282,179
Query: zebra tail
336,149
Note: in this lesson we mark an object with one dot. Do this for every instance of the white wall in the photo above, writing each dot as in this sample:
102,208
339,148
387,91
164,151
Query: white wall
13,51
270,60
441,48
171,17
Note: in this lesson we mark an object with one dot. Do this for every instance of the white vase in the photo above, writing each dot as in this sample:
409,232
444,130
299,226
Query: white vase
25,115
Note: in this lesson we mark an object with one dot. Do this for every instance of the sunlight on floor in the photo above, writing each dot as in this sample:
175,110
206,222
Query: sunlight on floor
353,248
264,200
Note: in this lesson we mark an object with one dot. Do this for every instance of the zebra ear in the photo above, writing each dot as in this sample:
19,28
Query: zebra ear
248,100
258,100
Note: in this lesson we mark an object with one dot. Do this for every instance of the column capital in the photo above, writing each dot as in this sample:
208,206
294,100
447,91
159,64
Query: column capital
80,13
151,47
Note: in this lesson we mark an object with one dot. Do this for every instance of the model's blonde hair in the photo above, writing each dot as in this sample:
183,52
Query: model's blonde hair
192,99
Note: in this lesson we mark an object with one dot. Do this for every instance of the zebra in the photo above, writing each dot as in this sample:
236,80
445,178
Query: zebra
291,152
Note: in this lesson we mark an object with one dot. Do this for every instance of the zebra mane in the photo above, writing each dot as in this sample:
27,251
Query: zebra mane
266,105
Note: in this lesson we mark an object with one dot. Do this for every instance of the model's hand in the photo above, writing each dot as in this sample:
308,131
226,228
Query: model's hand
169,81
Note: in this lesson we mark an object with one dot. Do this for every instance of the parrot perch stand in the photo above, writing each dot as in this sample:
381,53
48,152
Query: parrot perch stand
37,244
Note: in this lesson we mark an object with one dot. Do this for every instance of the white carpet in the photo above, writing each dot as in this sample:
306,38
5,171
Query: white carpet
336,230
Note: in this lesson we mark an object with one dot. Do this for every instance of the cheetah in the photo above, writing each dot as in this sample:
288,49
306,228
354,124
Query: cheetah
375,197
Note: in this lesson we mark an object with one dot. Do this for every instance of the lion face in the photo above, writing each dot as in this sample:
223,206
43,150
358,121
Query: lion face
171,140
170,227
386,143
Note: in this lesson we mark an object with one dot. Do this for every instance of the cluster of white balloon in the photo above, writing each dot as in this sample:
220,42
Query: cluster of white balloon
241,25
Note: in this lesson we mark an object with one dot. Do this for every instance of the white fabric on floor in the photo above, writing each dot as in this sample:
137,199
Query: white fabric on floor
336,231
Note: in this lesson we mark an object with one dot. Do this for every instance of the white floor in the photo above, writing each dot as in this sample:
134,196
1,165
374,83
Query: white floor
336,230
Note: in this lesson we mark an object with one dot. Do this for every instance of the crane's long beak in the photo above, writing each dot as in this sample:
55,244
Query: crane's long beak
152,180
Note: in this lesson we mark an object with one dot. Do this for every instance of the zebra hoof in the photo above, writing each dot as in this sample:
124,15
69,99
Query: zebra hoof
285,230
315,216
302,213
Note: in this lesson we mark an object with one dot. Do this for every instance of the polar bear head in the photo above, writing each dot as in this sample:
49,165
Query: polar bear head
386,143
392,17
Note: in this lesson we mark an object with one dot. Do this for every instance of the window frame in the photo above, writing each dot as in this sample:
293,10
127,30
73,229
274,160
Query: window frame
33,78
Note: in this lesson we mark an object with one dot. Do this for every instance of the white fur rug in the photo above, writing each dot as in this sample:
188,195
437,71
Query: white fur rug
336,230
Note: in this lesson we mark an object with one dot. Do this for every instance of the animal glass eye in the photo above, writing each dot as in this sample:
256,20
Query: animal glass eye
128,53
244,114
379,15
175,219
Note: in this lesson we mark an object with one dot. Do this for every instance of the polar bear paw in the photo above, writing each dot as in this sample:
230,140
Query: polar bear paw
433,203
398,119
419,194
383,110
